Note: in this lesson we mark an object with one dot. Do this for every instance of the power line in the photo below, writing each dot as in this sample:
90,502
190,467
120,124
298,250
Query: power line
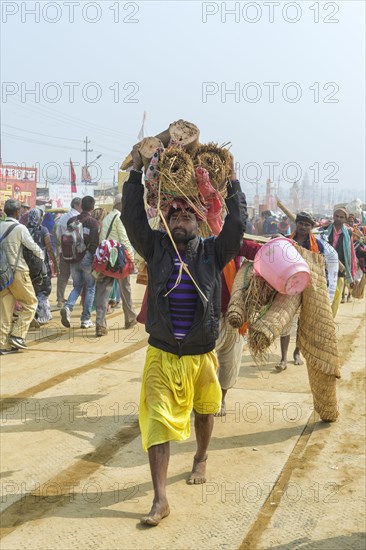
39,134
63,118
38,142
30,140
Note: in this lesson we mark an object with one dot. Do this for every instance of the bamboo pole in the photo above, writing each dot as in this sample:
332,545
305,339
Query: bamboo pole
284,209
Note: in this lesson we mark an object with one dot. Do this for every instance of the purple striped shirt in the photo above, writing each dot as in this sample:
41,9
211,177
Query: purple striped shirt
182,301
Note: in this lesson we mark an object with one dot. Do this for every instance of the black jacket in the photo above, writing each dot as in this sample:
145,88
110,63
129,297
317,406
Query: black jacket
205,259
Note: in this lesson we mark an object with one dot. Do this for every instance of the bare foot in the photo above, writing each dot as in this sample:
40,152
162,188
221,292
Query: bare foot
159,511
297,359
282,365
198,474
222,411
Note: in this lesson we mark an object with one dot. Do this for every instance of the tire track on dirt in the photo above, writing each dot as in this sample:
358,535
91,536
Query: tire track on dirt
295,460
7,402
37,504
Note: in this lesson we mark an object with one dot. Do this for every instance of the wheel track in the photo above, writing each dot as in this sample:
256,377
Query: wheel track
34,505
8,402
295,460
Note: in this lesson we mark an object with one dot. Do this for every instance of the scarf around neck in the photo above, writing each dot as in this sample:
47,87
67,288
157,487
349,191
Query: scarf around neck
313,244
346,249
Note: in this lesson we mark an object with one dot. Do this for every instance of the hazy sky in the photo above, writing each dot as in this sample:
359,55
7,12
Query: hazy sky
295,70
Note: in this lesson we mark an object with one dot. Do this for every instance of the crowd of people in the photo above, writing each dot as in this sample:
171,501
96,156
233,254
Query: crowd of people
193,357
41,235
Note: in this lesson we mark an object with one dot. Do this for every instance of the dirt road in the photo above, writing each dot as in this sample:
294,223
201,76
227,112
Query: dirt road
74,475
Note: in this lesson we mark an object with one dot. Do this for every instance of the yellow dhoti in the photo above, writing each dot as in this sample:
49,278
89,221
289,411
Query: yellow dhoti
171,387
338,295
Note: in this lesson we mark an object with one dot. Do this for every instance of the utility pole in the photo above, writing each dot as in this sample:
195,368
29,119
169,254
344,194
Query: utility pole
86,150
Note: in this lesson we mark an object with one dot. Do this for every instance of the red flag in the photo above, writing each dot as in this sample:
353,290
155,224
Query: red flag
72,178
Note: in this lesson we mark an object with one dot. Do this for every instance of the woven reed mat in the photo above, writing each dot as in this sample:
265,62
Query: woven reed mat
267,328
250,296
317,335
316,338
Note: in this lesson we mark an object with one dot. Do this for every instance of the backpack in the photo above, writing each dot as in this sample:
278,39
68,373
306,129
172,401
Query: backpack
72,242
37,267
6,271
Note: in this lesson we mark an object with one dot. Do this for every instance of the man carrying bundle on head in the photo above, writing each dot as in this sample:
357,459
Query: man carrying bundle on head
305,238
183,312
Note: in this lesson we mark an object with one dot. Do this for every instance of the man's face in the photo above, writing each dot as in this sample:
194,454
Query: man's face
183,226
339,218
351,221
303,228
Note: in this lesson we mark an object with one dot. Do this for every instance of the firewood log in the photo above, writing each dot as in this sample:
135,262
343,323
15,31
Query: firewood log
148,148
184,133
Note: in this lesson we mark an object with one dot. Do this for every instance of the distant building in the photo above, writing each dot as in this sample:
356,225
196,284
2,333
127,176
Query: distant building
18,182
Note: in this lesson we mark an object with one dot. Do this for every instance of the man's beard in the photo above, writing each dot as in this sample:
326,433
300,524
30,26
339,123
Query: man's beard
182,237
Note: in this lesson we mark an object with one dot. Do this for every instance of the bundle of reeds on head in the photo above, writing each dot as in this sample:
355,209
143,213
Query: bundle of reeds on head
152,197
217,161
176,172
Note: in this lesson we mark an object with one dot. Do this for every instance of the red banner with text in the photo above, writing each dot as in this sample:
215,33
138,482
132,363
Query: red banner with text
18,183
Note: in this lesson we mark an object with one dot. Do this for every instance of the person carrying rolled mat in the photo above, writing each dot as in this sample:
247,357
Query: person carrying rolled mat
305,238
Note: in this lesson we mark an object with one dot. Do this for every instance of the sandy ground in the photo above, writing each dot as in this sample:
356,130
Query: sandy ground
74,476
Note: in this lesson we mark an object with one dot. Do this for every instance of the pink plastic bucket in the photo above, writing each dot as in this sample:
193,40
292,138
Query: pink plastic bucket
280,264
